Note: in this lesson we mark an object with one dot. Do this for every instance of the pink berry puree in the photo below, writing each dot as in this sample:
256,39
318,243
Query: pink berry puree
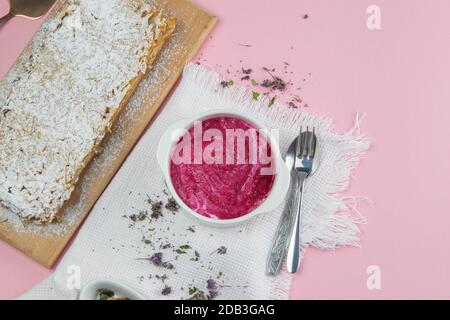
224,190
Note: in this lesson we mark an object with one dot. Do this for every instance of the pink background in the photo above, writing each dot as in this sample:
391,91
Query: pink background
399,76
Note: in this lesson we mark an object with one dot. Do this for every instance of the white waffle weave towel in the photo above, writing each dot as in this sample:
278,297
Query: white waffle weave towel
108,247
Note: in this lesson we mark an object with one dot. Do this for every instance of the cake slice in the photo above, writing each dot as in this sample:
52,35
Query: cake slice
64,93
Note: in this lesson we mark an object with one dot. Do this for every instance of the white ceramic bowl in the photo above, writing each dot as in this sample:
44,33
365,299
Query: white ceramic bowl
276,194
89,291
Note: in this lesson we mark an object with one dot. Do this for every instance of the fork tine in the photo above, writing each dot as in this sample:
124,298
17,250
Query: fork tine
298,150
304,140
312,143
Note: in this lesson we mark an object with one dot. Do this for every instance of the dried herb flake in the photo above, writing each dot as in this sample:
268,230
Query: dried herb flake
272,101
166,291
221,250
227,84
172,205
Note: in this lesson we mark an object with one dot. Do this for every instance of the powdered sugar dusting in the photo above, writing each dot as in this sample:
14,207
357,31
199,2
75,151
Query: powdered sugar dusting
61,97
147,94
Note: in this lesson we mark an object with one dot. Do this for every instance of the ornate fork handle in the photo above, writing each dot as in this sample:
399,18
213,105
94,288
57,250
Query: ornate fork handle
282,235
294,248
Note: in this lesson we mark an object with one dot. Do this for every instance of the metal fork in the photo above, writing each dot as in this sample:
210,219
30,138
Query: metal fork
304,159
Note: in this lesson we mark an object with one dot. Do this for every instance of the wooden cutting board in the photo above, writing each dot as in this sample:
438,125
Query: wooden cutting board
45,243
